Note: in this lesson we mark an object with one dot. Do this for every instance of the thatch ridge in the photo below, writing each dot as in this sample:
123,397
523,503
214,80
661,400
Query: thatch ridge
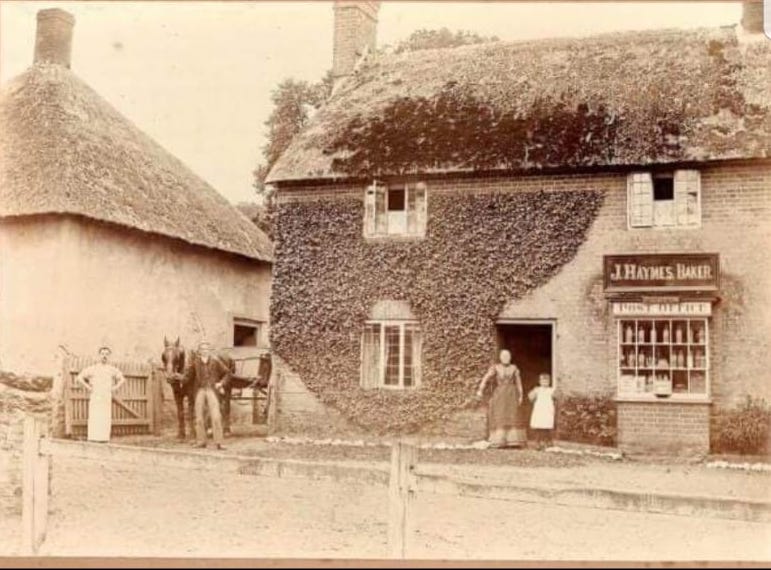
66,150
625,98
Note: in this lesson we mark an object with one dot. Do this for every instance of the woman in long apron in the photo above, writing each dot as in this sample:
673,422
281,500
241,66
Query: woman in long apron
100,380
504,420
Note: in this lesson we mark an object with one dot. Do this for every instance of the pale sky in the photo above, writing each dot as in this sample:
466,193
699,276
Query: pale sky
197,76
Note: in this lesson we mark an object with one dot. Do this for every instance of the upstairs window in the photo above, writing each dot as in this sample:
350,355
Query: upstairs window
664,200
395,210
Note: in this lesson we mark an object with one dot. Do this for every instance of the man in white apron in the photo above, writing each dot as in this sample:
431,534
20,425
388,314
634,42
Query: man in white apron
100,381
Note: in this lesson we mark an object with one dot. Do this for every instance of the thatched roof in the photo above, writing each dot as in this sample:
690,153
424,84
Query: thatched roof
65,150
619,99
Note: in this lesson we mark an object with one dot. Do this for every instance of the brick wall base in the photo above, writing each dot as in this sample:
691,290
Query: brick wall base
663,427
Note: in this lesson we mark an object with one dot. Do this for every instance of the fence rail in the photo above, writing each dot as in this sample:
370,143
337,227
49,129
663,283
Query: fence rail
403,478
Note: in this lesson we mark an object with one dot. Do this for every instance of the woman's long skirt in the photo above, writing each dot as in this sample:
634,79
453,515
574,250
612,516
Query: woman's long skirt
505,426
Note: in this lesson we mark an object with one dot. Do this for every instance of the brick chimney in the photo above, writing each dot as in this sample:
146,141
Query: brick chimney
752,16
53,40
355,31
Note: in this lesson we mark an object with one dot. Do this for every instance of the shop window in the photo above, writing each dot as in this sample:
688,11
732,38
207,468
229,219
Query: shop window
395,210
663,357
664,199
246,332
390,355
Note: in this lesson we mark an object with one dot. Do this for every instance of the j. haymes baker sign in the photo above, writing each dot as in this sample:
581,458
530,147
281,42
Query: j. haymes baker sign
690,271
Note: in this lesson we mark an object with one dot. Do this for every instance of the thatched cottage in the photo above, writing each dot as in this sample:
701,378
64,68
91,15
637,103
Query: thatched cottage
107,237
599,206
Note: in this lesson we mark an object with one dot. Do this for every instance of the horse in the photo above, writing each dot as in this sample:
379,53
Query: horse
174,360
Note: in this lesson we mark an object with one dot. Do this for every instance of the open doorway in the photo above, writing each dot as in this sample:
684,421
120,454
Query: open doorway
531,347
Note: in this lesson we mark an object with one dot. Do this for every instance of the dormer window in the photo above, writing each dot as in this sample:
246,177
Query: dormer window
664,200
395,210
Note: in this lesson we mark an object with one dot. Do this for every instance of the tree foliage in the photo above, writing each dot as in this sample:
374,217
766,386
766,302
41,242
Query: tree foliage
293,105
442,38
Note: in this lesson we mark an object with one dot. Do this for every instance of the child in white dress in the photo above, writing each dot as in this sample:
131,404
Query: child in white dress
542,417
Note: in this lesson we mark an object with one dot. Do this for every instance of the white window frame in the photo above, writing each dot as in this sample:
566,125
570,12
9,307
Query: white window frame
640,197
623,368
416,356
373,220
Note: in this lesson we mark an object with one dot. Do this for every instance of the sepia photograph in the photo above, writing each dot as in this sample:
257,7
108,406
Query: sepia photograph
385,283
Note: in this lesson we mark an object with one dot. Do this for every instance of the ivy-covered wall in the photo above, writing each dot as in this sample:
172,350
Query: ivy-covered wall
481,250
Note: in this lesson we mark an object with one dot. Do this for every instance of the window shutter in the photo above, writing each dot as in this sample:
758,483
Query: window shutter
412,211
420,208
417,344
381,215
369,210
370,357
640,199
688,197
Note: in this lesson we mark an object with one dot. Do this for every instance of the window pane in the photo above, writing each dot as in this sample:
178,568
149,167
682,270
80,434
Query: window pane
664,213
408,363
397,222
663,188
396,199
392,355
663,356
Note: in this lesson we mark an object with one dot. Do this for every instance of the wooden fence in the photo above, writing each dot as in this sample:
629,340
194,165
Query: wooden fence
136,406
39,448
404,480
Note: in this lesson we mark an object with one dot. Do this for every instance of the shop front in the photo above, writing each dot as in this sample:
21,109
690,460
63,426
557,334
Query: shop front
662,307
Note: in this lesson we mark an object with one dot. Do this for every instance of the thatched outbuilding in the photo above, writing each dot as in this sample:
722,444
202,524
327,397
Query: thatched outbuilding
104,235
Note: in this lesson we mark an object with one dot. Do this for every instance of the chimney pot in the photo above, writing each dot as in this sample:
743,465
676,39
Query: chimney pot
752,17
53,40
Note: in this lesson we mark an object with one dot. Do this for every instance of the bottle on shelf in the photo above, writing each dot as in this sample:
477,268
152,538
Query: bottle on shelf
679,359
700,335
690,334
641,360
679,334
653,334
690,359
665,334
641,335
629,334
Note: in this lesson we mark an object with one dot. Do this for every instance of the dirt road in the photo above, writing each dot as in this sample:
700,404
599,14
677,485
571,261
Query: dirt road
119,509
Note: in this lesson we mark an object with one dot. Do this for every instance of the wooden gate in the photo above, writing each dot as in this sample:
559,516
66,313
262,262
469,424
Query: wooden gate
135,406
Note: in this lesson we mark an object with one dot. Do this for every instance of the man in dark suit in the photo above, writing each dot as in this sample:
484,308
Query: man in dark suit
207,374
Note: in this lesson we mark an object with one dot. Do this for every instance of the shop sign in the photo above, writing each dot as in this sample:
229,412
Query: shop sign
683,309
675,272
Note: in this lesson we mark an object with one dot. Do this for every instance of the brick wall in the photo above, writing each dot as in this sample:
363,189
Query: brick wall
736,204
299,412
355,28
663,427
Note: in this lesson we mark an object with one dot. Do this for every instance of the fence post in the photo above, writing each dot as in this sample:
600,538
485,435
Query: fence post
35,485
401,486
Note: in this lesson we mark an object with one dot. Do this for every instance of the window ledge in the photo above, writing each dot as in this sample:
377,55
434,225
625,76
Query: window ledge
673,399
394,237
